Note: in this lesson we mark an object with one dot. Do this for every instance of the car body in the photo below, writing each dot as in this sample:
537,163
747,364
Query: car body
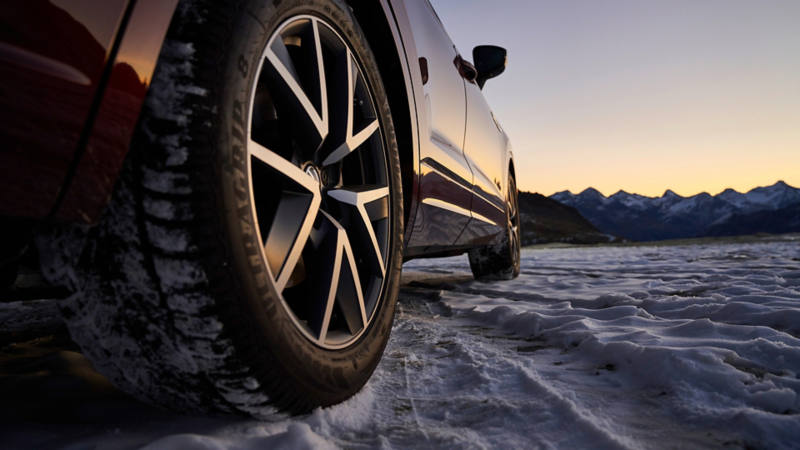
75,75
228,188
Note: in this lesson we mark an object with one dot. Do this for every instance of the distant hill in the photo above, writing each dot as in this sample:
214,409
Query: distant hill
545,220
672,216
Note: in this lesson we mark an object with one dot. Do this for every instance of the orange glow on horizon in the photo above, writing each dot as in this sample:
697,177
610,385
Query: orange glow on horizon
684,164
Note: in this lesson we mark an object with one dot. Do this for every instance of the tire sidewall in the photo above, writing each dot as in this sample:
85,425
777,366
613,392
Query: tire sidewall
265,331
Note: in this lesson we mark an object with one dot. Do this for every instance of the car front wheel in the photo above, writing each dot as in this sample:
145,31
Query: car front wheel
249,260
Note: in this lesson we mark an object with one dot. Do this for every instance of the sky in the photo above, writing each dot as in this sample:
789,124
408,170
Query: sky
642,95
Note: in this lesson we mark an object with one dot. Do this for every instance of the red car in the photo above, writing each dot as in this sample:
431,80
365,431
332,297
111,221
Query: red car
227,189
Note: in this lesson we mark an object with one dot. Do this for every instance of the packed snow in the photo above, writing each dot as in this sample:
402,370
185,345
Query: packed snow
591,347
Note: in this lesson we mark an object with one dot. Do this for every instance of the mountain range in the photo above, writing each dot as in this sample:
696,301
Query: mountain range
772,209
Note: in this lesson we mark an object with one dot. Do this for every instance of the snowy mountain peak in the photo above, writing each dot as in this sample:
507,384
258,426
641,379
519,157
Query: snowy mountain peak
624,195
735,198
591,192
632,200
782,184
591,195
563,196
778,195
670,194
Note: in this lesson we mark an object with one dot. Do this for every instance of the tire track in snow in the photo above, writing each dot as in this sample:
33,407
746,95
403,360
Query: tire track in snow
480,378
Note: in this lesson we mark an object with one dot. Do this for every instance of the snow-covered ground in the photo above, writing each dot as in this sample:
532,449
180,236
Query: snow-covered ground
609,347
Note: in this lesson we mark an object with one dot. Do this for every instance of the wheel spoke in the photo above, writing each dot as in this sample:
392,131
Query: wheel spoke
297,210
359,198
340,275
342,135
303,96
311,107
352,143
349,296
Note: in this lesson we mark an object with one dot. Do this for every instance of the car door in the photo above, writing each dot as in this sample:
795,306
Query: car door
483,148
445,189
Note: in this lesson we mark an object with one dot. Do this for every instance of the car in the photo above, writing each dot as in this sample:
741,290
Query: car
226,190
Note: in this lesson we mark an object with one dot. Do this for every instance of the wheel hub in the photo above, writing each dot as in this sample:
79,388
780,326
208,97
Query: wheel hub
314,173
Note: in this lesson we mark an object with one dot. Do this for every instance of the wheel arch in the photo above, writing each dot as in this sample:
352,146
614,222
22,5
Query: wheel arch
510,168
384,40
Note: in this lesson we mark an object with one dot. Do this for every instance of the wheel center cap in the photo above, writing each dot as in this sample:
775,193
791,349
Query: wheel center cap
313,173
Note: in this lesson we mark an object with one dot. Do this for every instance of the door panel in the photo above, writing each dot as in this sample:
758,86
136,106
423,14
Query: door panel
483,147
440,220
52,55
444,202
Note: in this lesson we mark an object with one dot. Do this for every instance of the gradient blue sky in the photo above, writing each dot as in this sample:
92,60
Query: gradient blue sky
642,95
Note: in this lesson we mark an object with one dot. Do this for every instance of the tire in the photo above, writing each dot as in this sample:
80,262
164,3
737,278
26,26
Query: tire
226,278
501,261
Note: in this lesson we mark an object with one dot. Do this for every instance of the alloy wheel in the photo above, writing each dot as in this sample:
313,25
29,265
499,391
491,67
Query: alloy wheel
319,182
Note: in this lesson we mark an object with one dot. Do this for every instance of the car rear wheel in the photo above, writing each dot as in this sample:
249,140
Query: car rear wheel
249,261
501,261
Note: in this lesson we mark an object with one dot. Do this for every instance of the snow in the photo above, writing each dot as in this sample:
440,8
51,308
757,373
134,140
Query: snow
563,196
19,317
735,198
591,347
689,204
635,201
776,196
172,82
592,195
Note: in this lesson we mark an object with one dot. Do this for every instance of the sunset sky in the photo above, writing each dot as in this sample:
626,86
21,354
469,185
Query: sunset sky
642,95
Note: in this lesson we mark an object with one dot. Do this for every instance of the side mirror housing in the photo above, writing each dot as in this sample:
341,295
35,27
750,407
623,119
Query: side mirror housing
490,61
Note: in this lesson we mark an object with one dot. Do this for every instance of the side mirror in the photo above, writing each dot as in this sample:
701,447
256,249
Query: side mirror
490,61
